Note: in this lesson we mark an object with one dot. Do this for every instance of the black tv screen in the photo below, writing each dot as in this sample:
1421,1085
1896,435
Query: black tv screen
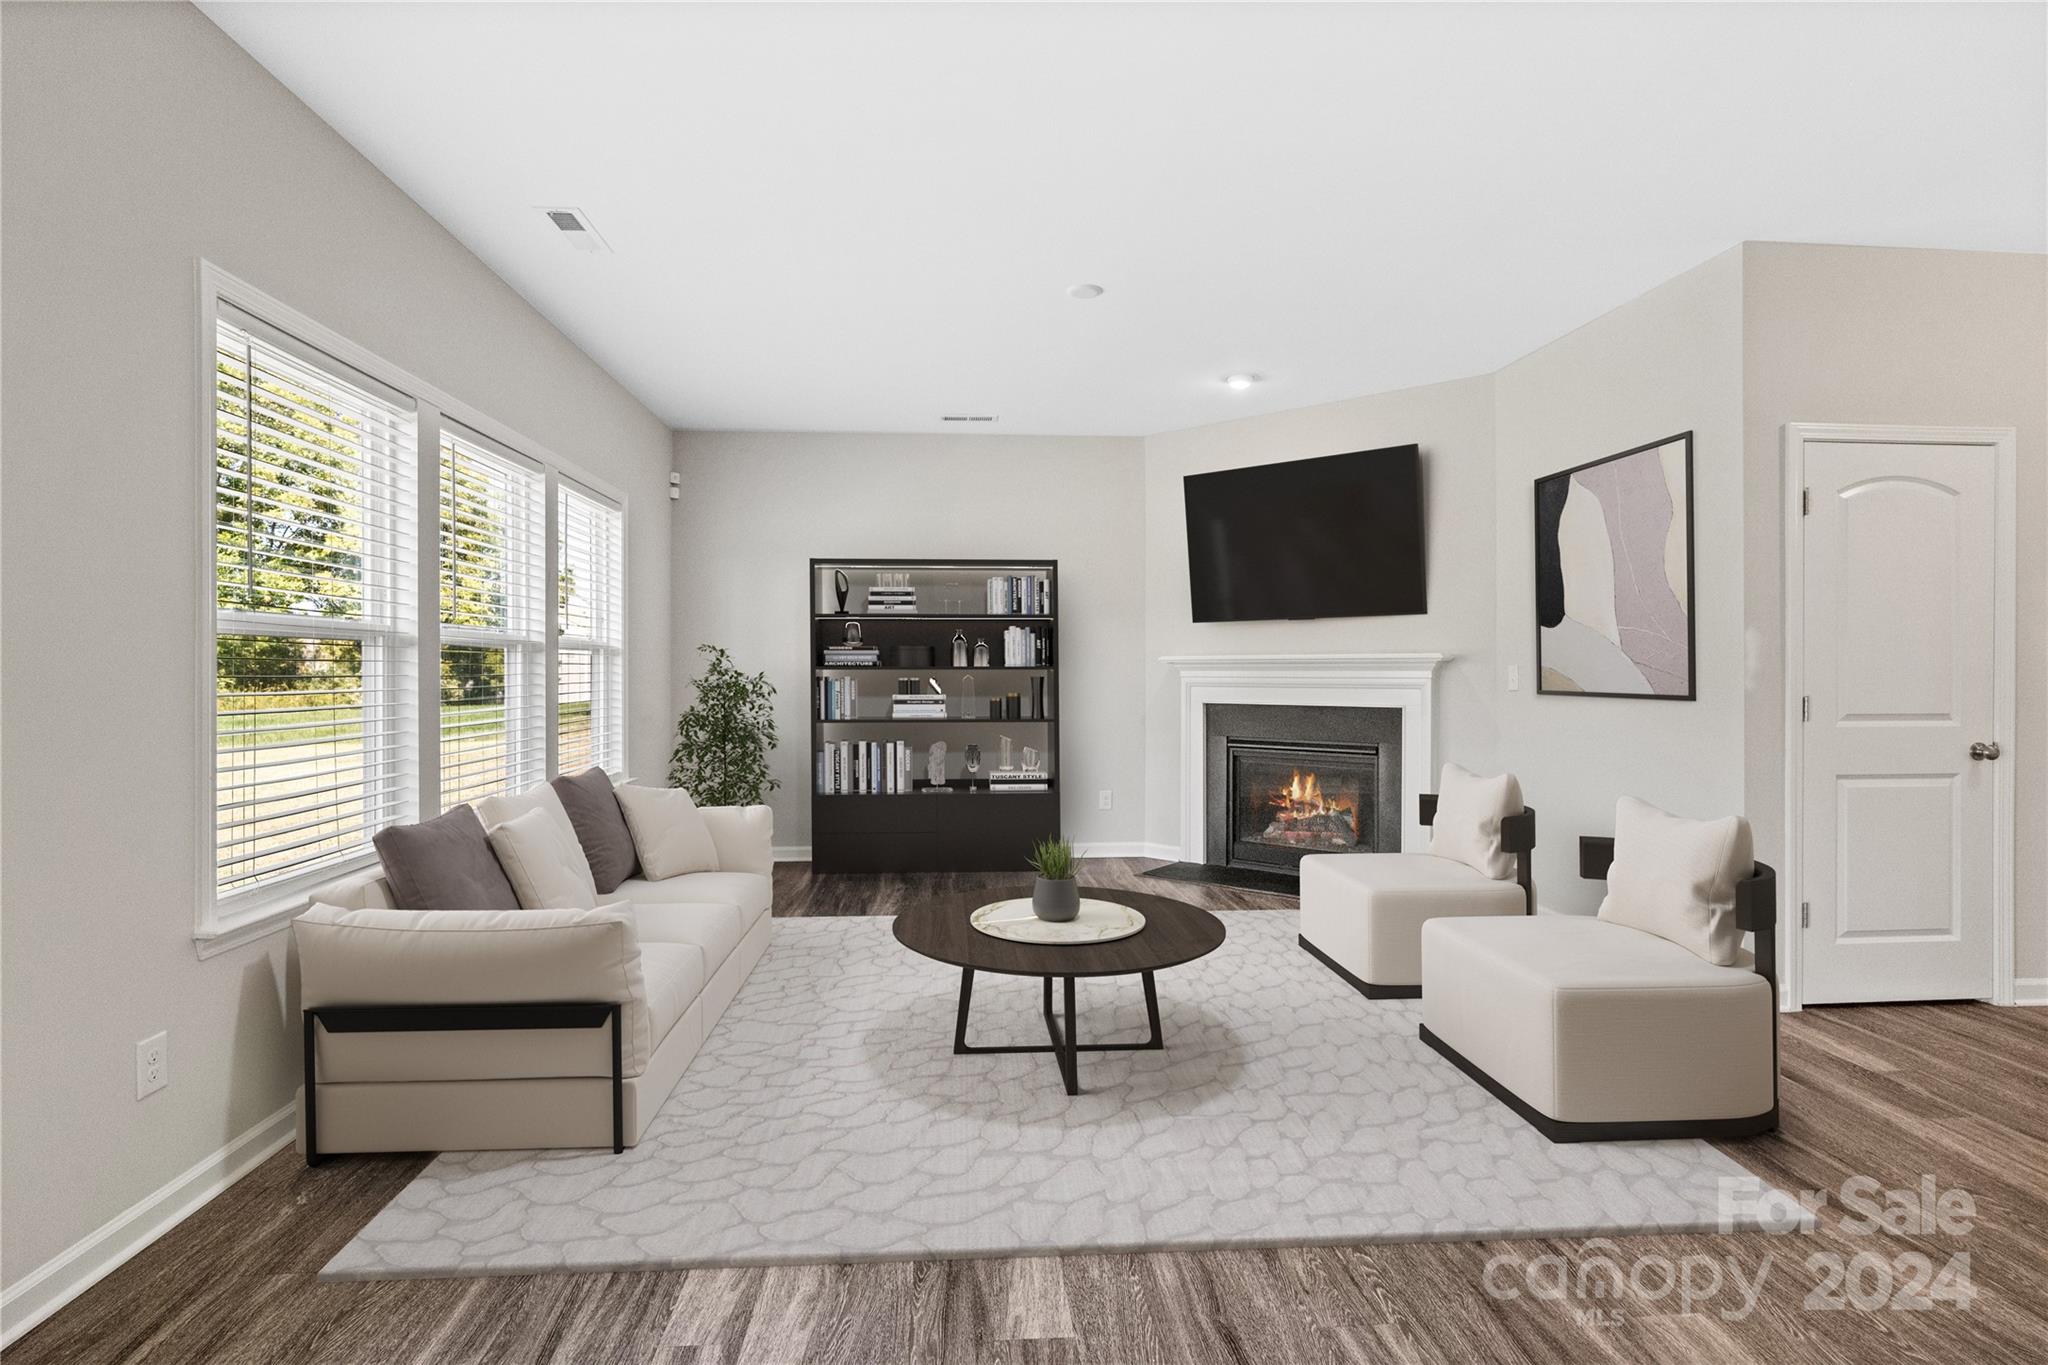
1336,536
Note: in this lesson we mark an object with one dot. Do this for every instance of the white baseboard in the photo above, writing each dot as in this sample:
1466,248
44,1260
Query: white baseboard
792,853
2030,990
1123,850
91,1259
1164,852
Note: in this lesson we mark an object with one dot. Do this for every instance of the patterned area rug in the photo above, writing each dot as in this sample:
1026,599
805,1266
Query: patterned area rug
827,1119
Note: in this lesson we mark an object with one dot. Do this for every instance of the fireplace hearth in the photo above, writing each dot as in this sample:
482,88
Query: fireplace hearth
1288,799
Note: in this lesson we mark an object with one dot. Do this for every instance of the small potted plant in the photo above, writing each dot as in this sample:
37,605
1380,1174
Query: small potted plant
1055,895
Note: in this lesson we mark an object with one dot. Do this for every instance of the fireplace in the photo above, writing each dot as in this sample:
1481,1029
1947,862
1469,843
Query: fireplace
1288,799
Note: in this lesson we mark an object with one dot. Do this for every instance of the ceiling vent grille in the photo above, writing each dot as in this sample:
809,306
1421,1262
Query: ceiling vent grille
574,225
967,417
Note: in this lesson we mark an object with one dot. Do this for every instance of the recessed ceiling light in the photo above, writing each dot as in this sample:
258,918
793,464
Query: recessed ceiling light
1240,382
1084,291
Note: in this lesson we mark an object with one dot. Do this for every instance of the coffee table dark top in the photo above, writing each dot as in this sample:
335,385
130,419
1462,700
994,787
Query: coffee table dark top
1174,932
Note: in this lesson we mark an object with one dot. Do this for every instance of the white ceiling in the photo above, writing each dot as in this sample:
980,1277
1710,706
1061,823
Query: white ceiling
860,217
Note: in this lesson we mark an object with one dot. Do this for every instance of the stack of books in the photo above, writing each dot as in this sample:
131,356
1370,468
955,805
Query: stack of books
1020,595
1023,648
892,601
837,699
852,656
1019,780
871,767
911,702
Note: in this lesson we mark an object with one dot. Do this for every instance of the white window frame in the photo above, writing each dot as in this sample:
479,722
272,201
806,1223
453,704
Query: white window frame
599,649
224,923
513,638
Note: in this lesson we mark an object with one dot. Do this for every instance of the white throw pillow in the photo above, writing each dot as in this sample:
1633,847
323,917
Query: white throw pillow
669,832
1468,815
546,865
1675,878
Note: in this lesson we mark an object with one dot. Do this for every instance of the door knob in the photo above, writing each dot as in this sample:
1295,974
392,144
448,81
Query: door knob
1981,751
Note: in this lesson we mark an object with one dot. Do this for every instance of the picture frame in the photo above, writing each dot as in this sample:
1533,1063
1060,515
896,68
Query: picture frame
1616,610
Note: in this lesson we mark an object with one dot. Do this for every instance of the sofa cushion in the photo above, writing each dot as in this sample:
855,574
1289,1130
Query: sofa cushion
1365,911
747,890
1469,809
669,832
1675,878
716,929
444,864
1590,1021
546,864
600,827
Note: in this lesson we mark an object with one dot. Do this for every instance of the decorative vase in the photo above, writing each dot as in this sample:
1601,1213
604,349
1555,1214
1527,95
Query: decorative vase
1055,902
959,649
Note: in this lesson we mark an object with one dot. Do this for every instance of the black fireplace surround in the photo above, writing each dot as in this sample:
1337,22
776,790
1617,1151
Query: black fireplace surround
1283,782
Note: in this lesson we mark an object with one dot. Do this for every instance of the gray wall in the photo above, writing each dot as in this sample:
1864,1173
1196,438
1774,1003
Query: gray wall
131,137
1667,362
758,506
1453,423
1925,338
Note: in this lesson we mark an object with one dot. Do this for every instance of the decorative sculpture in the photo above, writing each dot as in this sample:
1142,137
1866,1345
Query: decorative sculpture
935,763
843,586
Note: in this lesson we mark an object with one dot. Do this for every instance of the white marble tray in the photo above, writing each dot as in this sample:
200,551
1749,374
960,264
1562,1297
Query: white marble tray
1098,922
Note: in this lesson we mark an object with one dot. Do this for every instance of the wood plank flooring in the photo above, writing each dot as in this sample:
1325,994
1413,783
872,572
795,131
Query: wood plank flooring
1896,1092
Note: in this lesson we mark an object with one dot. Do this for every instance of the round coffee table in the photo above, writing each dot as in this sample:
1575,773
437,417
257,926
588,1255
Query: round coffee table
1174,932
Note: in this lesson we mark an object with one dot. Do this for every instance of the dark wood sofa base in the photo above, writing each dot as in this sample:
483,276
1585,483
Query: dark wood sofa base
1370,990
1565,1130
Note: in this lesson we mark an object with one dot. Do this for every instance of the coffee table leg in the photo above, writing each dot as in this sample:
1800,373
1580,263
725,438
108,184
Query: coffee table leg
1070,1060
1152,1014
966,994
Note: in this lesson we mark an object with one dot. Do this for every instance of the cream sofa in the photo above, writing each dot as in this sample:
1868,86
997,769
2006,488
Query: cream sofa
413,1024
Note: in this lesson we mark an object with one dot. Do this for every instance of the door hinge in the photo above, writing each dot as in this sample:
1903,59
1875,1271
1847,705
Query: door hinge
1805,914
1806,708
1806,502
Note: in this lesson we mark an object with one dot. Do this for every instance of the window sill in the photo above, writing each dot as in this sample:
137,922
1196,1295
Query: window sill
227,936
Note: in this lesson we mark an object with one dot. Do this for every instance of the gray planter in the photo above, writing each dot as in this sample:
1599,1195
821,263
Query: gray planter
1057,902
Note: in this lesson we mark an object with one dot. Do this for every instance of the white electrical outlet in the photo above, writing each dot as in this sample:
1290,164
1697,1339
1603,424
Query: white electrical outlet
152,1064
1104,799
1514,677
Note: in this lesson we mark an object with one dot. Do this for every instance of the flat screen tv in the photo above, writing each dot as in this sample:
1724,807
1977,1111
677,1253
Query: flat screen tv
1335,536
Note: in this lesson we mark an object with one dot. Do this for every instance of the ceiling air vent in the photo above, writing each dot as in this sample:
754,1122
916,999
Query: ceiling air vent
967,417
574,225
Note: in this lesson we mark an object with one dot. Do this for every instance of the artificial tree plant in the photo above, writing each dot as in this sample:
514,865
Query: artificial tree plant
724,738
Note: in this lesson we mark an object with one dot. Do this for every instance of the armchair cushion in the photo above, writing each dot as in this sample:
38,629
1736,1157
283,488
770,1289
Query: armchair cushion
600,826
1675,878
669,832
1469,809
476,957
444,864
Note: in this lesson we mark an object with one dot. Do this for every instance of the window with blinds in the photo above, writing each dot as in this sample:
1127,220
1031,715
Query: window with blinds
493,620
590,683
315,609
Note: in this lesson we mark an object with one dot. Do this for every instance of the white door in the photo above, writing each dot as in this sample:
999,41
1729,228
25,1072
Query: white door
1900,669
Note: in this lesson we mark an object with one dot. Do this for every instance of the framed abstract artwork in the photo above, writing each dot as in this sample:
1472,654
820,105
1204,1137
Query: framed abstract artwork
1614,601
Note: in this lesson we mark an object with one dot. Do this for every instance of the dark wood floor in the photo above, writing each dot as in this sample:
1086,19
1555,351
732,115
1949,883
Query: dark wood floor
1959,1092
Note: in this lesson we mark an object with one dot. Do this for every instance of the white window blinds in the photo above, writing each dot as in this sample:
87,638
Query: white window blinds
591,657
493,620
315,602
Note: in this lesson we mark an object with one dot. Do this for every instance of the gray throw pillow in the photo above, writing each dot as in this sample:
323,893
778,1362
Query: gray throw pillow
600,827
444,864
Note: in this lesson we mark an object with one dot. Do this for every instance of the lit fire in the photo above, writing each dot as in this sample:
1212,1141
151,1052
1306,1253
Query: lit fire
1302,809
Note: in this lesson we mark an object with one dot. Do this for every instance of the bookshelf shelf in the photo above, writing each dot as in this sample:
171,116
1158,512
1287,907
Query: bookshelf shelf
911,828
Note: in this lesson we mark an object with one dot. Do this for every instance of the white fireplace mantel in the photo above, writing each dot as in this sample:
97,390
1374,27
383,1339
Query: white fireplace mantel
1403,681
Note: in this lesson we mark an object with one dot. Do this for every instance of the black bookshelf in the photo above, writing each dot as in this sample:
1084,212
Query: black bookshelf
969,826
